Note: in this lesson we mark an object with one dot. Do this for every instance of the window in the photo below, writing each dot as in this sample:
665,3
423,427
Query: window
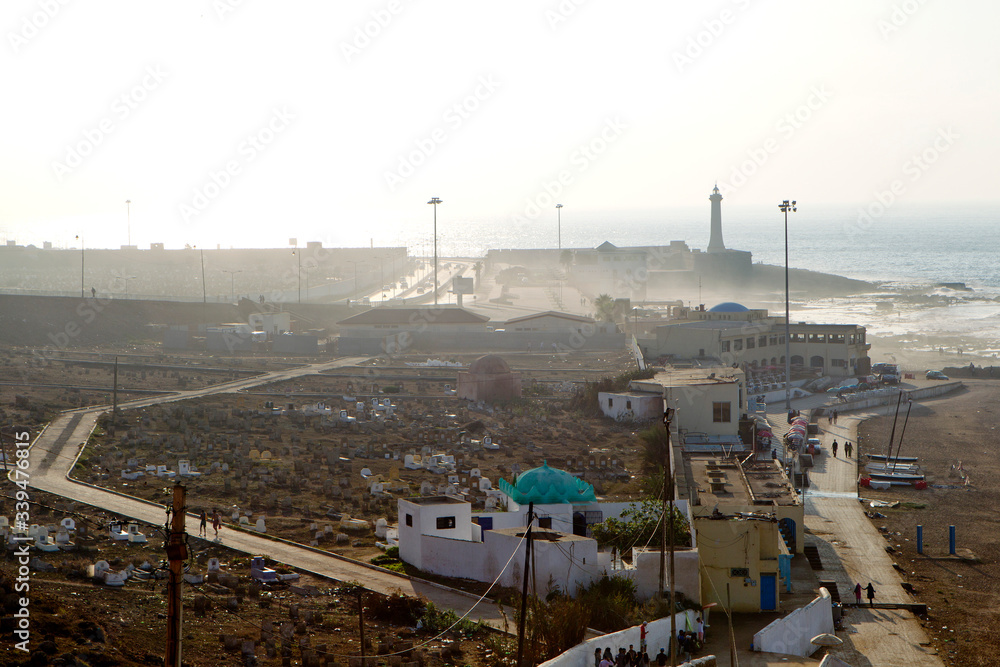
409,519
836,338
611,403
445,522
721,412
739,572
850,339
628,405
781,339
774,340
738,345
751,343
762,341
545,522
725,346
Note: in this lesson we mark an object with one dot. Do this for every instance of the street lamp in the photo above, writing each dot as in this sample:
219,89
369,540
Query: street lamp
435,201
127,278
81,265
298,271
232,281
559,216
784,207
128,214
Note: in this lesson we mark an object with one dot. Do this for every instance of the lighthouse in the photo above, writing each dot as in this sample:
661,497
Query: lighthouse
715,243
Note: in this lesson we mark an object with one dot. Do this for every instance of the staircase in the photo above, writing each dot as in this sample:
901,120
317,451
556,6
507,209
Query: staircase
811,552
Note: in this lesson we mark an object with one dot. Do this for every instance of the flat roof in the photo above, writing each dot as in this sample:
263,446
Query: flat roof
436,500
757,484
685,377
416,316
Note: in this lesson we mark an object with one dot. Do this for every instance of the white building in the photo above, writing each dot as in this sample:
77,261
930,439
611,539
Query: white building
441,535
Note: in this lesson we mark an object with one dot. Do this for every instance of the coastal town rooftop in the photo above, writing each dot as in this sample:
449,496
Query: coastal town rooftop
725,481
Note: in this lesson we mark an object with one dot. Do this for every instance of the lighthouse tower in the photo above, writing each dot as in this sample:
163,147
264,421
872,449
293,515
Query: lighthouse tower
715,243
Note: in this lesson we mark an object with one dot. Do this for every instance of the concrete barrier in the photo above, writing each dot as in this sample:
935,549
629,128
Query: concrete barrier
792,635
916,394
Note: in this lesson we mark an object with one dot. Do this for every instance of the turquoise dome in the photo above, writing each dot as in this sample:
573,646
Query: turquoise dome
546,486
728,307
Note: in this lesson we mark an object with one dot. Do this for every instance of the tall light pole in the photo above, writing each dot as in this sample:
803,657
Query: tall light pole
127,278
435,201
232,281
559,224
128,214
82,257
784,207
298,258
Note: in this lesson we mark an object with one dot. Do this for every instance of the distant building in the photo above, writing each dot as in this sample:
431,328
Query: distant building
398,329
732,334
489,379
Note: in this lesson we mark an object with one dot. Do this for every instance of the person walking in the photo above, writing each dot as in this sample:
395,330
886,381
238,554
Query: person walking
203,526
699,626
216,522
834,449
871,594
857,594
848,448
597,657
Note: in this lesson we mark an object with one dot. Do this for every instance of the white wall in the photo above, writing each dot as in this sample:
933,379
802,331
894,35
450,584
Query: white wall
646,574
793,633
630,407
657,635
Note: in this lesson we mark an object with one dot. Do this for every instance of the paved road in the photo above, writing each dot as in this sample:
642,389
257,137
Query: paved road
853,551
56,449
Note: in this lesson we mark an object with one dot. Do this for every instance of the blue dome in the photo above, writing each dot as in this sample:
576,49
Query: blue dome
545,485
728,307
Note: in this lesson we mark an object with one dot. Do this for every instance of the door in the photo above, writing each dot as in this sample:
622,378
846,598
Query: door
486,523
769,592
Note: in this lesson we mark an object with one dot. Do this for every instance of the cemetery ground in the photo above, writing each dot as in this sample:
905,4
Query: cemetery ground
956,440
35,384
75,620
317,480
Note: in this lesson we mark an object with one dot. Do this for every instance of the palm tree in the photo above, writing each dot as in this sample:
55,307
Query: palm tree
605,307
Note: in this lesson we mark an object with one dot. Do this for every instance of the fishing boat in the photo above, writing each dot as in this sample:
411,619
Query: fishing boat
882,458
896,478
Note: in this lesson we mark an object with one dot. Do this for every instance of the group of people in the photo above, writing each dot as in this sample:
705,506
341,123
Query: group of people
216,523
848,448
869,589
688,643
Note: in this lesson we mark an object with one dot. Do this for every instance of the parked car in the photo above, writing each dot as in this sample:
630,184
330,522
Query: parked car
813,446
936,375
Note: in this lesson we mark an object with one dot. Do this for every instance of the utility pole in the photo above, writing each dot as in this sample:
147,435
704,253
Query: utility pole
361,620
668,416
524,587
114,398
176,554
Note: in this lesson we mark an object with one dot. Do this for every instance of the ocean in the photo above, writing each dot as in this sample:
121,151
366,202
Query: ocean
909,252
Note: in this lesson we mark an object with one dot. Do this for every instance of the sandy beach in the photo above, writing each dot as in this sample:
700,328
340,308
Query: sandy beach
955,438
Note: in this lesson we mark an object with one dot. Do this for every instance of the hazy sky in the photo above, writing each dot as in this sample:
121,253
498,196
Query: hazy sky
245,123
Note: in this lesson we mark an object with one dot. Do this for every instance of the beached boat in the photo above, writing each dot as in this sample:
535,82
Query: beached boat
882,458
884,468
897,478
